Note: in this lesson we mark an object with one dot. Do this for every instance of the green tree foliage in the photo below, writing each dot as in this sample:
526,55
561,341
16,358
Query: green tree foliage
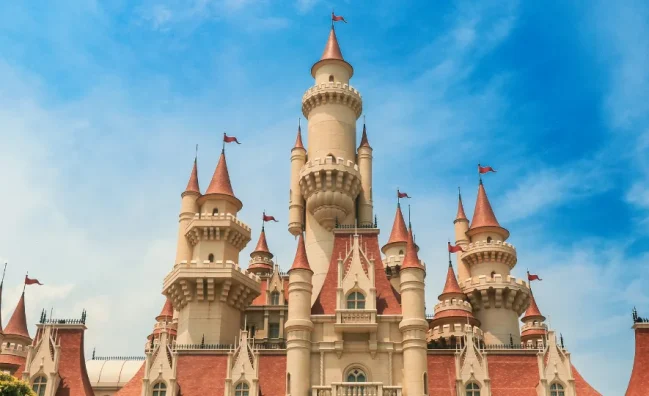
10,386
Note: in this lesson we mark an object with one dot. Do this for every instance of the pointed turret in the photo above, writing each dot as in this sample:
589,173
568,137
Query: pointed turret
301,261
534,330
533,311
451,287
399,232
461,226
460,210
332,49
298,140
18,323
365,204
220,183
411,260
167,313
261,259
484,218
364,141
192,185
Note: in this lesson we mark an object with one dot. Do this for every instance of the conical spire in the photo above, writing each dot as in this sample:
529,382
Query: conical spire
301,261
167,312
399,231
192,185
460,209
220,183
483,215
533,310
262,245
332,49
298,141
451,287
411,260
18,323
364,141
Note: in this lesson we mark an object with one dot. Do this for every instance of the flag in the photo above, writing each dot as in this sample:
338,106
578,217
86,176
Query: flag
402,194
269,218
30,281
230,139
454,249
485,169
532,277
337,18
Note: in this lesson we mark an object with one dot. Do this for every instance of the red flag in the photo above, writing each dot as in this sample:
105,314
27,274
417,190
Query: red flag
532,277
485,169
454,249
402,194
269,218
337,18
230,139
29,281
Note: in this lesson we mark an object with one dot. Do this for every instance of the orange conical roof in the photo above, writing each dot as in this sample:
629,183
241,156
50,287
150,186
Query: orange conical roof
451,286
411,259
460,209
332,49
192,185
220,183
262,245
364,141
18,323
298,140
399,231
483,215
533,310
167,312
301,261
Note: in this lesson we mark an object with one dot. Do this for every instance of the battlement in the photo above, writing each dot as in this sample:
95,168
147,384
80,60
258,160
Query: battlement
489,251
393,261
508,293
536,325
218,226
217,264
332,92
495,281
221,216
453,330
258,259
453,304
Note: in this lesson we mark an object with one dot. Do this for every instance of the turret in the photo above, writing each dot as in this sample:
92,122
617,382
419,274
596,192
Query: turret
211,291
299,326
330,181
461,224
498,299
364,160
296,201
261,259
16,340
166,327
395,249
188,208
413,326
534,331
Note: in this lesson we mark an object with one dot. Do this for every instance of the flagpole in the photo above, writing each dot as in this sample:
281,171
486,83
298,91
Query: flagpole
196,154
263,220
332,19
449,254
3,275
409,225
223,149
398,197
25,282
479,174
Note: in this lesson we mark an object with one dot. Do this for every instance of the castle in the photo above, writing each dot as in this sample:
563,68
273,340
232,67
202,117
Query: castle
349,316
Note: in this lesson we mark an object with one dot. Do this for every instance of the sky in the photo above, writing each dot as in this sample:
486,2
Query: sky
102,104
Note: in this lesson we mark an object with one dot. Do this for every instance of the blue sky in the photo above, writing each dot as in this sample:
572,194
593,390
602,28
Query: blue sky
101,106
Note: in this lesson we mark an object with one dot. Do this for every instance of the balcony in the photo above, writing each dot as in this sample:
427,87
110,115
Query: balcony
356,321
356,389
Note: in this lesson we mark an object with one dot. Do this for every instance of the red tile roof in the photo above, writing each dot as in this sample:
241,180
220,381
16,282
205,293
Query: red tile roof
399,231
453,313
483,215
364,141
387,299
198,373
261,298
584,389
513,375
134,386
18,323
441,375
220,183
411,259
639,382
332,49
192,185
167,312
301,261
533,310
298,140
451,287
72,364
262,245
460,209
272,375
15,364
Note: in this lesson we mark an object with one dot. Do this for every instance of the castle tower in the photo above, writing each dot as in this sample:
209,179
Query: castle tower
296,203
166,328
188,208
159,363
364,161
210,291
261,259
395,249
461,224
498,299
16,339
299,326
413,326
534,331
331,180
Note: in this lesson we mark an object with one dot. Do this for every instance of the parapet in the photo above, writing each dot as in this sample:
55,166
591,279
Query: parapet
332,92
489,251
217,264
221,216
508,293
454,330
453,304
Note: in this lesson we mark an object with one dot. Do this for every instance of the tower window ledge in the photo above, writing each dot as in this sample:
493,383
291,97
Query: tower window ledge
356,320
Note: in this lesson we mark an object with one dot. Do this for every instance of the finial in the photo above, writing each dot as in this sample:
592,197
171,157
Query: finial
409,224
3,274
203,341
93,353
196,153
299,123
363,119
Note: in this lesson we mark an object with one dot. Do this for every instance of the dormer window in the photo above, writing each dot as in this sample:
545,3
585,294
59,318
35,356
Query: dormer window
488,239
331,78
274,298
355,300
556,390
40,383
160,389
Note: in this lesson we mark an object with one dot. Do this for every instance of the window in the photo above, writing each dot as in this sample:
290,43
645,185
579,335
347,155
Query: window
556,390
215,211
425,383
473,389
210,258
274,298
488,239
273,330
160,389
401,252
331,78
39,385
356,300
356,375
288,383
241,389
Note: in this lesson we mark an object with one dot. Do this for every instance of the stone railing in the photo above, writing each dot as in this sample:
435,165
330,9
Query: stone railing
333,92
356,389
355,316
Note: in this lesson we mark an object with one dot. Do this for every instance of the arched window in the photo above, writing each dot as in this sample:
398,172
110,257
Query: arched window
331,78
425,383
215,211
355,300
274,298
472,389
288,383
39,385
401,252
356,375
160,389
556,390
210,258
241,389
488,239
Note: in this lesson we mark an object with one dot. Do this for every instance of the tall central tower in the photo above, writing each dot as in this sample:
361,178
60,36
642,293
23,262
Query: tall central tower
331,180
